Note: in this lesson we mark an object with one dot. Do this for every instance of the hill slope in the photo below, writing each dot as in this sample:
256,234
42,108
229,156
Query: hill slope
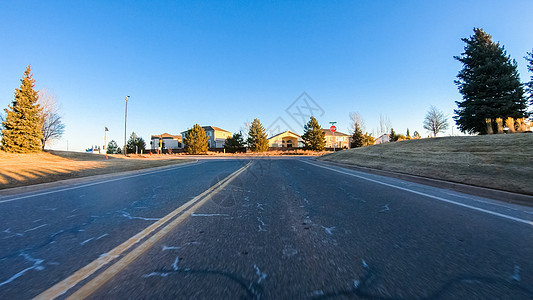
503,162
27,169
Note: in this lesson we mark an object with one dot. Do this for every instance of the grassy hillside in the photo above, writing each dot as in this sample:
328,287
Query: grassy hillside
27,169
502,162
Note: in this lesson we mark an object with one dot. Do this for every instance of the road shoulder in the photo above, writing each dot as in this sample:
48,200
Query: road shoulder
86,179
508,197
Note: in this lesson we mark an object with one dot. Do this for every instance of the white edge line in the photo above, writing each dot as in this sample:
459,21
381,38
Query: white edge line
426,195
100,182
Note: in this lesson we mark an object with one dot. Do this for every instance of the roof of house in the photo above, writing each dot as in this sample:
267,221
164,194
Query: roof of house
214,128
337,133
283,133
166,136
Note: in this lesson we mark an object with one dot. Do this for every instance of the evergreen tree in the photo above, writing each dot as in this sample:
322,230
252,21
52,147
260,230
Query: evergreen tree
22,126
135,144
195,140
112,148
489,83
357,137
314,136
234,143
257,137
407,133
393,137
529,59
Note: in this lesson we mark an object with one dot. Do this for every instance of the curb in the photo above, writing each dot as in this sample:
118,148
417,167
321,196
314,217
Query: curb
504,196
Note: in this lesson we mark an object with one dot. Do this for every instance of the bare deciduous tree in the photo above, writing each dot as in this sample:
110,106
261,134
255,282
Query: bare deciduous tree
384,124
435,121
53,127
2,119
356,122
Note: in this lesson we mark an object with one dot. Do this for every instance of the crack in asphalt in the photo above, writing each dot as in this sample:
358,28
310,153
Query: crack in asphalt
362,287
253,288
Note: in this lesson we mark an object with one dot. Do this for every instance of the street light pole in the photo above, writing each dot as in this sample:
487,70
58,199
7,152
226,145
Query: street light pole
125,122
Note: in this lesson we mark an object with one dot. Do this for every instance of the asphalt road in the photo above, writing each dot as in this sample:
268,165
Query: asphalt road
279,229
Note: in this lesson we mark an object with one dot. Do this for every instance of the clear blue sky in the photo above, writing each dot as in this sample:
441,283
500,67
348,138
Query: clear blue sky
223,63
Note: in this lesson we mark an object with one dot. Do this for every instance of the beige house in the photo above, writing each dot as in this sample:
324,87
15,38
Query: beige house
337,139
217,136
165,141
287,139
384,138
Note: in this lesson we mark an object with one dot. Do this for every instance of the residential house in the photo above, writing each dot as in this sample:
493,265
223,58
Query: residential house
337,139
384,138
217,136
287,139
165,141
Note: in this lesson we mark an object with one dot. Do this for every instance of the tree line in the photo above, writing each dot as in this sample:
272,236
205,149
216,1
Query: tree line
196,140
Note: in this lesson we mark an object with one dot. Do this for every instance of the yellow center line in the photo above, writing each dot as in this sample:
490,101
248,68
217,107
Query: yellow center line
85,272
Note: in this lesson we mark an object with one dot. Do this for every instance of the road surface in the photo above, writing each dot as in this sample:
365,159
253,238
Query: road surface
262,228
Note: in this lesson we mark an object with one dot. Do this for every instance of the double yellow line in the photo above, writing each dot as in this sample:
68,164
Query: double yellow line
182,212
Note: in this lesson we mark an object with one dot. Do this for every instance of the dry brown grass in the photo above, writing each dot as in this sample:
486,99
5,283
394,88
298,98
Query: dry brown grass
503,161
26,169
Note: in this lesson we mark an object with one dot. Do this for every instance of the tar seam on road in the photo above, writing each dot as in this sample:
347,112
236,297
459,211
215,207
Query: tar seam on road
85,272
99,182
427,195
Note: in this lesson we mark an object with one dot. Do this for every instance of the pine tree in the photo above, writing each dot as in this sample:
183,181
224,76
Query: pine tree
529,59
112,148
357,137
22,126
393,137
257,138
314,136
234,143
135,144
489,83
195,140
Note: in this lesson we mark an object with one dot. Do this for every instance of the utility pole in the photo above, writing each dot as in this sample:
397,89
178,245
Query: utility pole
125,123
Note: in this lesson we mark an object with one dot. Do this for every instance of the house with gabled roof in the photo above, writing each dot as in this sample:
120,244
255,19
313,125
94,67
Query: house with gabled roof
384,138
217,136
165,141
337,139
287,139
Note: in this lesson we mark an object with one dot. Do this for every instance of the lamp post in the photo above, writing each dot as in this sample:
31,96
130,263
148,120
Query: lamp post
125,122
